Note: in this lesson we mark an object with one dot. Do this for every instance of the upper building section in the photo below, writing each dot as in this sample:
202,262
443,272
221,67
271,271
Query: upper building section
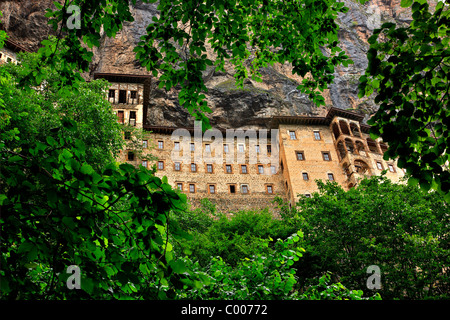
128,95
9,52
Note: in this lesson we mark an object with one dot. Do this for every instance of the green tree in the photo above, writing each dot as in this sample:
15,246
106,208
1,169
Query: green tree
397,227
408,73
233,238
266,275
63,202
40,110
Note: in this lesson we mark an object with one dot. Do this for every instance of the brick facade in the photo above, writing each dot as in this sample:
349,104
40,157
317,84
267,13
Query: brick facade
248,171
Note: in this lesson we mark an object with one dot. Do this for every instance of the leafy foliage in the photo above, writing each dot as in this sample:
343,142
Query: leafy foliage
65,202
113,224
38,111
265,276
408,73
232,238
255,278
394,226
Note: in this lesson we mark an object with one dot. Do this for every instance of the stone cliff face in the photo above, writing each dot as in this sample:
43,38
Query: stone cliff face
276,95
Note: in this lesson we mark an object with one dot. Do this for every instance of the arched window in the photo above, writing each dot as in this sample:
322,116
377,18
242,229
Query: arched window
344,127
336,130
355,130
360,148
341,150
349,146
383,147
362,167
373,145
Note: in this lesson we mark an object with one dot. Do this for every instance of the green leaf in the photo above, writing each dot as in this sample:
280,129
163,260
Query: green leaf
406,3
15,158
86,169
51,141
178,266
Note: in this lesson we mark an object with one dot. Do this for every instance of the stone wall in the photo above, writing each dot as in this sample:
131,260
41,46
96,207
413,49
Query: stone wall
308,155
312,163
214,176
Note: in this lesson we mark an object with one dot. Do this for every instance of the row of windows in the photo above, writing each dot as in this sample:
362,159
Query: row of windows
226,147
305,176
131,120
209,168
243,168
326,156
316,134
300,155
212,189
123,97
381,167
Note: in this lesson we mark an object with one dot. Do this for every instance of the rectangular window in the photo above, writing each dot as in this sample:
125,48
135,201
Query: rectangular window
257,148
130,156
112,93
122,96
207,148
212,188
120,116
244,168
193,167
307,195
160,144
317,135
176,145
330,177
209,168
192,146
133,94
240,147
273,169
379,165
269,148
260,169
132,120
300,155
192,188
391,168
292,135
144,164
269,189
180,186
177,166
326,156
232,188
160,165
225,148
305,176
228,168
144,144
244,188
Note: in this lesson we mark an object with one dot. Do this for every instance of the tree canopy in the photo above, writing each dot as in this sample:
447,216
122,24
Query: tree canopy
408,73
